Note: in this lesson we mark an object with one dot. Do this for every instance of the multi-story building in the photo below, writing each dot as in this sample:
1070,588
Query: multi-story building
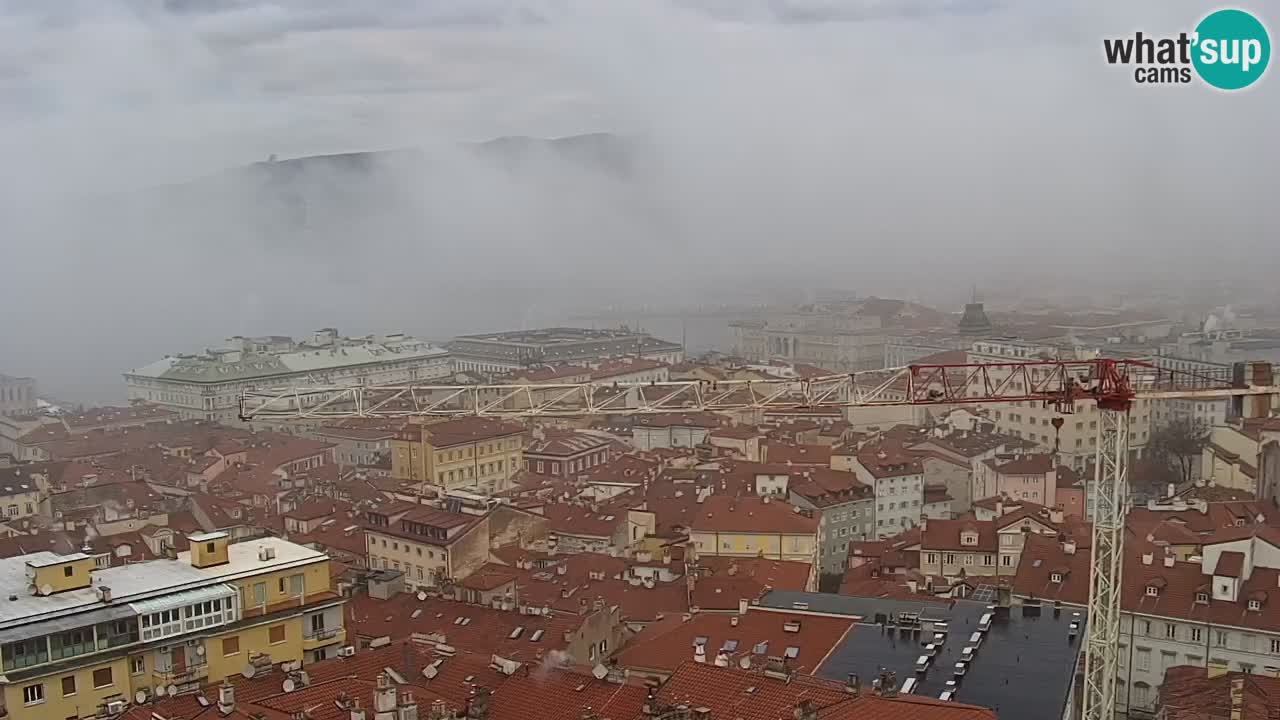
1030,477
81,640
430,545
17,395
754,527
844,506
359,442
565,453
207,386
1212,609
898,480
470,453
506,351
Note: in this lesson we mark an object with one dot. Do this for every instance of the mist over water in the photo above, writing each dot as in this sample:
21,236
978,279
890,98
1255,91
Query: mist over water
752,150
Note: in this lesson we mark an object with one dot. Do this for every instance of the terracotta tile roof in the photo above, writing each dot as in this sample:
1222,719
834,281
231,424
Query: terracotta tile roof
316,509
947,535
751,515
1230,564
1177,586
565,443
1188,693
565,695
490,576
784,453
1036,464
742,432
777,574
663,649
579,521
617,368
748,695
459,431
589,577
887,461
486,631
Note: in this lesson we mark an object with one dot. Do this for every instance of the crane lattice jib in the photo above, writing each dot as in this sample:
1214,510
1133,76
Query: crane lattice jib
1113,385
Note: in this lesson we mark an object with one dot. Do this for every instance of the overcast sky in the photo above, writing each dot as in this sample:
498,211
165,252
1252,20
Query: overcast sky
889,146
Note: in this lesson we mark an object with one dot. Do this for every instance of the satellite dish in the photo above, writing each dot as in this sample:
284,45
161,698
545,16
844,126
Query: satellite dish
46,589
199,649
288,685
160,692
421,596
600,671
744,662
249,671
430,672
140,697
173,690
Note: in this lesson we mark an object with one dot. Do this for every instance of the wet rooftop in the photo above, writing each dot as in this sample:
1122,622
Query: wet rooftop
1023,666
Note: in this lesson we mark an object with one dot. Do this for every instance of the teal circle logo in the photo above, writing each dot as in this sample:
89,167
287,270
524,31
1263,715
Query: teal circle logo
1232,49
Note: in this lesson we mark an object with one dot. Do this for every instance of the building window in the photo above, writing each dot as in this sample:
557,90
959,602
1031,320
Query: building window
275,634
1202,598
33,694
1197,634
231,645
1219,638
1055,577
933,558
1144,659
102,678
137,665
1170,630
68,685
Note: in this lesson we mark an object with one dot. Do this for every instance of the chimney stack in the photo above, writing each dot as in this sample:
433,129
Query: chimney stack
854,684
806,710
226,698
478,704
384,698
357,712
1237,698
408,708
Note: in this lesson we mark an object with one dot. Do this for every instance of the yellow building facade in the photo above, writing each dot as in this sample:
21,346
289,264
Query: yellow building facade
471,454
77,640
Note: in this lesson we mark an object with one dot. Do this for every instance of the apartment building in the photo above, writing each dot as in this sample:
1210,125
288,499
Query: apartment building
430,545
471,453
1212,610
845,508
898,480
207,385
565,453
80,640
754,527
1077,440
1030,478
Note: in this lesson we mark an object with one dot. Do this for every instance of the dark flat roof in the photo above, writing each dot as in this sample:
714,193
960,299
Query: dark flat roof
1024,667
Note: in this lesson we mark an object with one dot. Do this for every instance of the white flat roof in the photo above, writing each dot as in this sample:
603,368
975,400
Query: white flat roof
137,581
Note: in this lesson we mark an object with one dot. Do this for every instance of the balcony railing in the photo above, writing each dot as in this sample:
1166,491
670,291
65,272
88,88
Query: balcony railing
321,635
183,674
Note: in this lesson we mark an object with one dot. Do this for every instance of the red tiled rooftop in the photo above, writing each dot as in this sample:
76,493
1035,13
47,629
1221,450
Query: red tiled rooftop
663,649
751,515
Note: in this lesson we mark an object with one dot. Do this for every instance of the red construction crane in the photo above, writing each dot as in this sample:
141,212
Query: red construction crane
1112,385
